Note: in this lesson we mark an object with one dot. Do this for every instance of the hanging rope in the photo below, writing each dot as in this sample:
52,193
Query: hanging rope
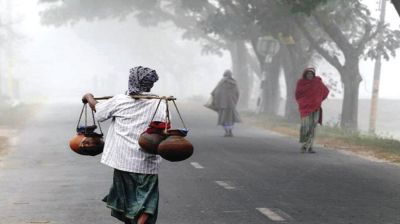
80,117
84,113
168,119
155,112
85,119
101,131
94,122
180,116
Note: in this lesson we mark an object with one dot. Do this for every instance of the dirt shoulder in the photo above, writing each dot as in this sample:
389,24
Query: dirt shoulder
374,148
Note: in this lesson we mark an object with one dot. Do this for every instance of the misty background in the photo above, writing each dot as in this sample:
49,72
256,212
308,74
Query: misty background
60,63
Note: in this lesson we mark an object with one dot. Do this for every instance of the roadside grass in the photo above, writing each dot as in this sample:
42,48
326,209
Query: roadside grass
332,136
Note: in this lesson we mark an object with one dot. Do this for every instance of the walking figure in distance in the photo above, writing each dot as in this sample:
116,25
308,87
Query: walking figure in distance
310,92
224,100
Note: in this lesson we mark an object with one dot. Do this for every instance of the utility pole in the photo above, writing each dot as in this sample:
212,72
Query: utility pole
377,74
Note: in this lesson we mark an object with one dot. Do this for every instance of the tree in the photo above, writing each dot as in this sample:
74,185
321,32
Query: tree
352,33
220,24
183,14
242,20
253,20
8,41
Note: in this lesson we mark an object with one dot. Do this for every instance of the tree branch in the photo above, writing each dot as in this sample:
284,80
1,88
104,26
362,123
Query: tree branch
365,38
178,22
368,29
333,60
333,32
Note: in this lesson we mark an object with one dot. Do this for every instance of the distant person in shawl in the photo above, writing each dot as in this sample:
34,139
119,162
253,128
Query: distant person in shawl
225,97
134,194
310,92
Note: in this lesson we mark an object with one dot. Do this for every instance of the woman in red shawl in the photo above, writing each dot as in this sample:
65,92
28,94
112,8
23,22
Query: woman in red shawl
310,92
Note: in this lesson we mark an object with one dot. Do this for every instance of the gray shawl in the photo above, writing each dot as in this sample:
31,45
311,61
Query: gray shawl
226,94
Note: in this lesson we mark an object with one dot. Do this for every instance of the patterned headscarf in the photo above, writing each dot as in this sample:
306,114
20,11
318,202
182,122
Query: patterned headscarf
141,79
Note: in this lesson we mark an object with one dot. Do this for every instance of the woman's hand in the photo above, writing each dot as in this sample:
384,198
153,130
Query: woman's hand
89,98
85,97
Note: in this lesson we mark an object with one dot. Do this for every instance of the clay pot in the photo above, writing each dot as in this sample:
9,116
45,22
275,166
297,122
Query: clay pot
88,145
149,142
153,136
175,147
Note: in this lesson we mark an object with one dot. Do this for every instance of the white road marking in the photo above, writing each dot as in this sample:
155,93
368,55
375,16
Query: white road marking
273,216
225,185
235,211
197,165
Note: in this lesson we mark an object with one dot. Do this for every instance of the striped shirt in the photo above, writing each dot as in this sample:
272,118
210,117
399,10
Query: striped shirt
129,118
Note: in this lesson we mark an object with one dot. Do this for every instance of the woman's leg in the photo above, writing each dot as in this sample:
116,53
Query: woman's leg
307,131
143,218
316,115
226,128
230,128
304,133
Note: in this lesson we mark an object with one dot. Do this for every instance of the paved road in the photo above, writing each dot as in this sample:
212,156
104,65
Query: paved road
256,177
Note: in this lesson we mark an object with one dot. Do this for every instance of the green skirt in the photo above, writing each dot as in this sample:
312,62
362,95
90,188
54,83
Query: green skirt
307,129
131,194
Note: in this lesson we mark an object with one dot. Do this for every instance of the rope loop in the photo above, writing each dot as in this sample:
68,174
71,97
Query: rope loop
84,113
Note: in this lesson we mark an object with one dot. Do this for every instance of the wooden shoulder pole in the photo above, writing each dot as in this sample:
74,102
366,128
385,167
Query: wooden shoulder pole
168,98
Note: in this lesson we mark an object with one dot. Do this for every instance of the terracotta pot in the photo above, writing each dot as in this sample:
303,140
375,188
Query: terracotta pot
149,142
175,147
153,136
91,145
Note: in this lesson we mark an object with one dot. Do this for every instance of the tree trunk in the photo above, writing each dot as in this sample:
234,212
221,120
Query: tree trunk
351,79
270,87
291,108
241,73
295,62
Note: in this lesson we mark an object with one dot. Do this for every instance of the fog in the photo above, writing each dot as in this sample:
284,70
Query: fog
58,64
97,58
255,163
63,63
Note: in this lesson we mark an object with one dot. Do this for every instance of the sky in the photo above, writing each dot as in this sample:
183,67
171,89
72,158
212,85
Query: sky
57,63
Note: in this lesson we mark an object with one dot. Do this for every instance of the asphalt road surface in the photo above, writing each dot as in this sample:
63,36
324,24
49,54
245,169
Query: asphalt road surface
256,177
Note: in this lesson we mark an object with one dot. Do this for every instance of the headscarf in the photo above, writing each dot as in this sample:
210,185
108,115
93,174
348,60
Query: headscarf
141,79
228,74
308,70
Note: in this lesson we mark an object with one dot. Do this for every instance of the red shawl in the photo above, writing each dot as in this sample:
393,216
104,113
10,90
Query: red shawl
310,94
